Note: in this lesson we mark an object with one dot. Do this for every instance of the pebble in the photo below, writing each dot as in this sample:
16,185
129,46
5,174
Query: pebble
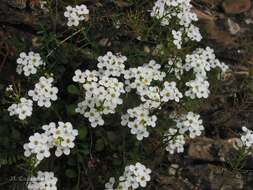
234,28
236,6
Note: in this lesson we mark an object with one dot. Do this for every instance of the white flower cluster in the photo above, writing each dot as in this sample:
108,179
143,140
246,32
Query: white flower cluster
177,38
63,137
102,95
167,10
111,65
247,137
76,14
29,63
170,92
141,77
189,123
193,33
9,88
138,119
23,109
201,61
43,181
39,144
44,92
197,88
174,141
60,136
134,176
153,96
175,66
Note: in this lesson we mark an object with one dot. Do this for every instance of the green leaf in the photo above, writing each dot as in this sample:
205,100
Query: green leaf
71,109
83,149
72,89
82,132
70,173
99,146
71,162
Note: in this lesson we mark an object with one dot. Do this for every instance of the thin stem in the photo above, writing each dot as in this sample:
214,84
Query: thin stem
63,41
91,144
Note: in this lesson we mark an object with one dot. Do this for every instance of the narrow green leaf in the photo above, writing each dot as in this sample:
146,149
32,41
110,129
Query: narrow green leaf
70,173
72,89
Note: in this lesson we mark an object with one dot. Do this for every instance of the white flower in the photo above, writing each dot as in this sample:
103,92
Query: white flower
29,63
109,185
102,95
177,35
200,62
177,11
23,109
38,145
247,137
186,124
134,176
111,65
82,10
222,66
193,33
141,77
203,60
44,92
175,66
198,88
43,181
9,88
91,76
192,123
174,141
76,14
138,119
64,137
79,77
60,136
170,92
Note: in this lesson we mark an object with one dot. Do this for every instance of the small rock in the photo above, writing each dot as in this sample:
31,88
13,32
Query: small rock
105,42
236,6
175,183
214,177
173,169
34,4
234,28
122,3
217,32
147,49
207,149
213,3
203,15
